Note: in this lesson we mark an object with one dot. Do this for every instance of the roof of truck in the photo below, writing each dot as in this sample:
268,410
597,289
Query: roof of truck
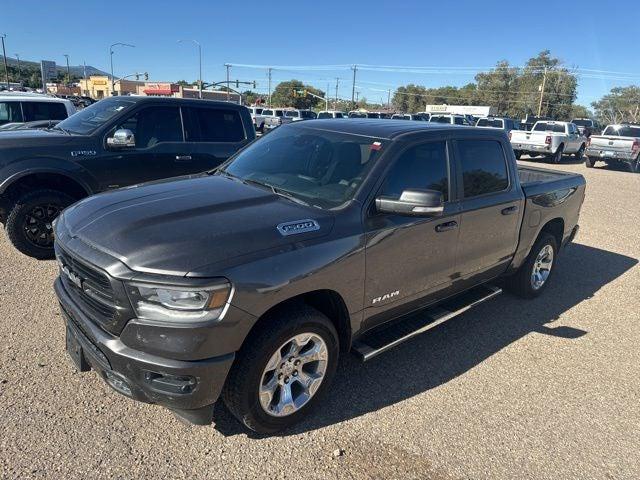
378,128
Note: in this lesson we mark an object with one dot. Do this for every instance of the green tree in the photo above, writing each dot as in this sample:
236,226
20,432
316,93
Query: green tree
622,104
284,95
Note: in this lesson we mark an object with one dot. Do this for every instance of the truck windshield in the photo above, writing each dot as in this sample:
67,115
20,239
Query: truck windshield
89,119
549,127
623,131
316,167
582,123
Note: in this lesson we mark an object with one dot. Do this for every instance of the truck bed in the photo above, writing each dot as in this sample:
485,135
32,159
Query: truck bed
536,181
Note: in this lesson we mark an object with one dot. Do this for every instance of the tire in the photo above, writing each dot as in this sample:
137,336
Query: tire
589,163
263,350
522,282
557,157
38,208
634,166
580,153
518,154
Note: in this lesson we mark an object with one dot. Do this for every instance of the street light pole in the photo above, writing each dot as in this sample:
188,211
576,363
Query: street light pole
269,101
111,58
228,67
199,66
68,71
4,56
353,88
19,69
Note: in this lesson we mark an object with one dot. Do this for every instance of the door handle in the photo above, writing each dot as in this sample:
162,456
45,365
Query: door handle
444,227
510,210
183,158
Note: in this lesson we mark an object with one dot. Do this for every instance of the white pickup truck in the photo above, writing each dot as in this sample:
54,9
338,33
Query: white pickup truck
257,117
549,138
617,144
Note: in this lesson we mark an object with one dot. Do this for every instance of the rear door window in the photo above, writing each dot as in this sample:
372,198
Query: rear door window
214,125
44,111
483,166
10,112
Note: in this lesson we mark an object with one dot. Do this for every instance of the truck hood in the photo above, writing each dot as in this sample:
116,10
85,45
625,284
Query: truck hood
174,226
30,138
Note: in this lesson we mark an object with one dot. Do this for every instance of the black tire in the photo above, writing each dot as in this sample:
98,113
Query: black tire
580,153
240,393
557,157
41,207
518,154
521,283
589,162
634,166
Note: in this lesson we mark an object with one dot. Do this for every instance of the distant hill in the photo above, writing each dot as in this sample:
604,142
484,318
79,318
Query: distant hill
76,70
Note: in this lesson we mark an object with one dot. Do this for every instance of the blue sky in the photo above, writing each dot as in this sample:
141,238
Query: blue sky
445,35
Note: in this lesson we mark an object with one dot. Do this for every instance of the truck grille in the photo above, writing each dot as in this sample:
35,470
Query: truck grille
88,286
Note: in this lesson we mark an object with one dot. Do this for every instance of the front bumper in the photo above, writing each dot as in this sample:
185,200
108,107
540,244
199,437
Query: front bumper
530,147
189,388
604,154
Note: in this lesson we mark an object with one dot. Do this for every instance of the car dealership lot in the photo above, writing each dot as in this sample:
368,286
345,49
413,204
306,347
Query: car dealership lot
548,388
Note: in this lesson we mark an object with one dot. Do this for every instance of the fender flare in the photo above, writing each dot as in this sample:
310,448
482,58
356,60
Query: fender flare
12,178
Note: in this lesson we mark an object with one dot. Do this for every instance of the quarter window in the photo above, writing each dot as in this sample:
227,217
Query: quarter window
215,125
484,167
419,168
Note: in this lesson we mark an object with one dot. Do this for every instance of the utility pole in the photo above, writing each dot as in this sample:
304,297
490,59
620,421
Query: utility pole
19,69
228,67
353,87
389,99
4,56
544,81
84,75
269,100
68,71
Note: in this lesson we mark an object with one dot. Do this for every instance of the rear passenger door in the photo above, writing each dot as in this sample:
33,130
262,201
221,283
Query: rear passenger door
213,134
491,208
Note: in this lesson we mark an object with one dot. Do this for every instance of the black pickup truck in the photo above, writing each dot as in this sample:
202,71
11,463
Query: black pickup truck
325,236
116,142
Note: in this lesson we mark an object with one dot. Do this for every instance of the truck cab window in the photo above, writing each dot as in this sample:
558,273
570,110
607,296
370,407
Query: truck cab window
421,167
484,167
153,125
214,125
10,112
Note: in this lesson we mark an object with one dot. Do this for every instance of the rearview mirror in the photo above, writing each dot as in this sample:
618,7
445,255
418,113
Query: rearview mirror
122,138
427,203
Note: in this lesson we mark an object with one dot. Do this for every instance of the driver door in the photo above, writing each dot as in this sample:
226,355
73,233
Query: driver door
159,145
410,257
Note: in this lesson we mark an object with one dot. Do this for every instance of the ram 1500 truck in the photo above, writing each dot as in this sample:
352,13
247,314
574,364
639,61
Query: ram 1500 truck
617,144
551,139
116,142
322,237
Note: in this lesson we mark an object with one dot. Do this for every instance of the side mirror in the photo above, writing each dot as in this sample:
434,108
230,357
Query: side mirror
122,138
425,203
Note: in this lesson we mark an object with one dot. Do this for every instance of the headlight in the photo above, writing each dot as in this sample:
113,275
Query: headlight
179,304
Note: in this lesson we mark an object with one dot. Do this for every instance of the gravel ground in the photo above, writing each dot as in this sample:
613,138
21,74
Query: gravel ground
548,388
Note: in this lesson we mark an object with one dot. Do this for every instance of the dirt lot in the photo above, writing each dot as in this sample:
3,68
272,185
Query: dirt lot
548,388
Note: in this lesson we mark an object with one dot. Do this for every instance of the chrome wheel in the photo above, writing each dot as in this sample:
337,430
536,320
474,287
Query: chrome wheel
293,374
542,267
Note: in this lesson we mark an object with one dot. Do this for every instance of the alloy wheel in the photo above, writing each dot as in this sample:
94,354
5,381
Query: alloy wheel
542,267
38,224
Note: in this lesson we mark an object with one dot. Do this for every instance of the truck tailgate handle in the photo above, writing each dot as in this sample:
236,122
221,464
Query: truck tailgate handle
183,158
444,227
510,210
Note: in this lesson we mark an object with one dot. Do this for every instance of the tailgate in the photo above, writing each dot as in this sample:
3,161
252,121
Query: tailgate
612,144
528,138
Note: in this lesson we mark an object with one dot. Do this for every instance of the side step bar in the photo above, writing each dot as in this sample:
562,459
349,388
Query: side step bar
382,339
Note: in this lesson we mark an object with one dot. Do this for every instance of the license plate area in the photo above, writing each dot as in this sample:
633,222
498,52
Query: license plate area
74,349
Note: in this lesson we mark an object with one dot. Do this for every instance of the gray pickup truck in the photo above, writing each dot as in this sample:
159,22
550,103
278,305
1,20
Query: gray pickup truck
325,236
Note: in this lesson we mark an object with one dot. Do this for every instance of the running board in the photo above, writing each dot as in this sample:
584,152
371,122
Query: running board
382,339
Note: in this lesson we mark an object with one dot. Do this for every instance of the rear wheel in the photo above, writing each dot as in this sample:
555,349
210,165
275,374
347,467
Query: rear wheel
634,166
518,154
533,276
29,225
589,162
283,370
557,157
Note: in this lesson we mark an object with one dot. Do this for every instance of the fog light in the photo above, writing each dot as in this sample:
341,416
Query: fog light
171,383
117,383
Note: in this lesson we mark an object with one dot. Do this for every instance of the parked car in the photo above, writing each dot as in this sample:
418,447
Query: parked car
248,283
408,116
113,143
30,107
586,126
358,114
274,117
451,119
331,114
27,125
551,139
257,118
297,115
500,123
617,144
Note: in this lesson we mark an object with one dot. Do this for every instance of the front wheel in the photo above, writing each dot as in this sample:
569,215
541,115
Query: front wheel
533,276
589,162
30,223
283,370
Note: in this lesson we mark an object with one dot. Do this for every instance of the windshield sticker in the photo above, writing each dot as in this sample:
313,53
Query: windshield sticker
375,146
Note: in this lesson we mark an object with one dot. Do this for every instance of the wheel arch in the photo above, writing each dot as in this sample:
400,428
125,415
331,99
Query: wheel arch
554,227
55,179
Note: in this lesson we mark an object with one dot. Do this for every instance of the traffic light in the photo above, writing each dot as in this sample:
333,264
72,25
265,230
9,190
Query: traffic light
146,76
254,84
237,84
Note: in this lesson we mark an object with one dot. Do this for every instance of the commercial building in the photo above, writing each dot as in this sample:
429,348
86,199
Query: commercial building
99,86
167,89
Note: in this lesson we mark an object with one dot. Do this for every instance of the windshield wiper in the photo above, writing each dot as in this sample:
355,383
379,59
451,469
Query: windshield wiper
58,127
